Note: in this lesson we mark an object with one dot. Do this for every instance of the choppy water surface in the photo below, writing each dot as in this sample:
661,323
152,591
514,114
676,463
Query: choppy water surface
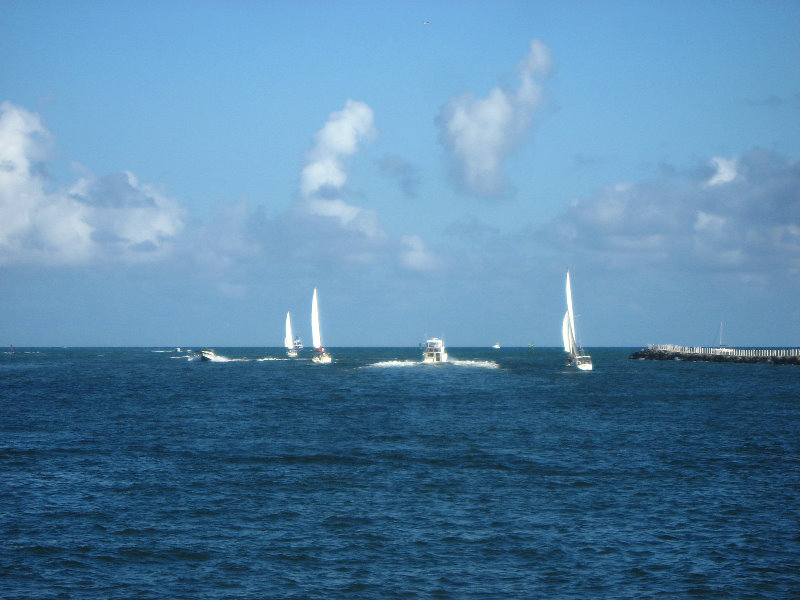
136,473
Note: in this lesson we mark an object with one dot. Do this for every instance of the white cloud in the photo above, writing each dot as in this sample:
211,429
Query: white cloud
708,223
129,218
348,216
324,176
114,217
338,139
480,133
23,140
750,225
415,254
725,171
357,237
117,218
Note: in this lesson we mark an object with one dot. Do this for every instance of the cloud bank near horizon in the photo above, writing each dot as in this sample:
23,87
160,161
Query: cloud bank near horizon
480,133
110,218
115,218
733,216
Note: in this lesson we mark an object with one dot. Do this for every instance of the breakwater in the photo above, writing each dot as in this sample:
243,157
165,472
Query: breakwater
777,356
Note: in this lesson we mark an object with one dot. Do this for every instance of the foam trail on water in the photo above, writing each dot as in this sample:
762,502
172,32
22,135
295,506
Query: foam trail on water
483,364
394,363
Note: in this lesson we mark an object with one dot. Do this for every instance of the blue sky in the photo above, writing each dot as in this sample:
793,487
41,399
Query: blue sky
183,173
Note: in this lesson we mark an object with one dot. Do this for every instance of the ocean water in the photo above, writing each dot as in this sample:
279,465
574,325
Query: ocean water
139,473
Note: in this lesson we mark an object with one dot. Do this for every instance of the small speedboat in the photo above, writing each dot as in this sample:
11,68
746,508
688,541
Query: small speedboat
207,355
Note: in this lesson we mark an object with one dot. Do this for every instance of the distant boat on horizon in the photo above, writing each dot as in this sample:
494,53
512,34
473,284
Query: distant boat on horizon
288,340
722,347
496,345
576,356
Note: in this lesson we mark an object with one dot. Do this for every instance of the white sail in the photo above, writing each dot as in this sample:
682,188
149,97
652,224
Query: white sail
571,316
565,333
321,356
315,333
577,356
288,341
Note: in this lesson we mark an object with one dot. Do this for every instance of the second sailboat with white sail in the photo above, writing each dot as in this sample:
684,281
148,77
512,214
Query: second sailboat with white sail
288,341
576,357
320,354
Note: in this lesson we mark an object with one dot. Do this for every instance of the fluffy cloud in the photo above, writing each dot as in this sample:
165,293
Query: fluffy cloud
339,138
725,171
415,255
744,218
357,236
481,132
324,175
111,217
117,218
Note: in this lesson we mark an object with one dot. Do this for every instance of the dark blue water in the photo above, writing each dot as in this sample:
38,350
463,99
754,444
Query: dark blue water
129,473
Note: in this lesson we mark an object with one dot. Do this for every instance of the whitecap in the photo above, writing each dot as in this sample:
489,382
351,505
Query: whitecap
394,363
482,364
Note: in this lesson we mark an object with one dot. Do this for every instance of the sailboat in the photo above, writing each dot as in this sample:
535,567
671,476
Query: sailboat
321,355
288,341
576,356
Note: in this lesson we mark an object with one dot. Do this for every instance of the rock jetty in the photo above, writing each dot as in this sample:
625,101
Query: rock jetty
782,356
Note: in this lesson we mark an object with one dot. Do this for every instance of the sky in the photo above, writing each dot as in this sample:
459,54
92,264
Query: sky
177,173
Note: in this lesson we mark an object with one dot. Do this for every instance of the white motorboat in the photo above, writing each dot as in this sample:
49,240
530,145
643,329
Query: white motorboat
207,355
434,351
